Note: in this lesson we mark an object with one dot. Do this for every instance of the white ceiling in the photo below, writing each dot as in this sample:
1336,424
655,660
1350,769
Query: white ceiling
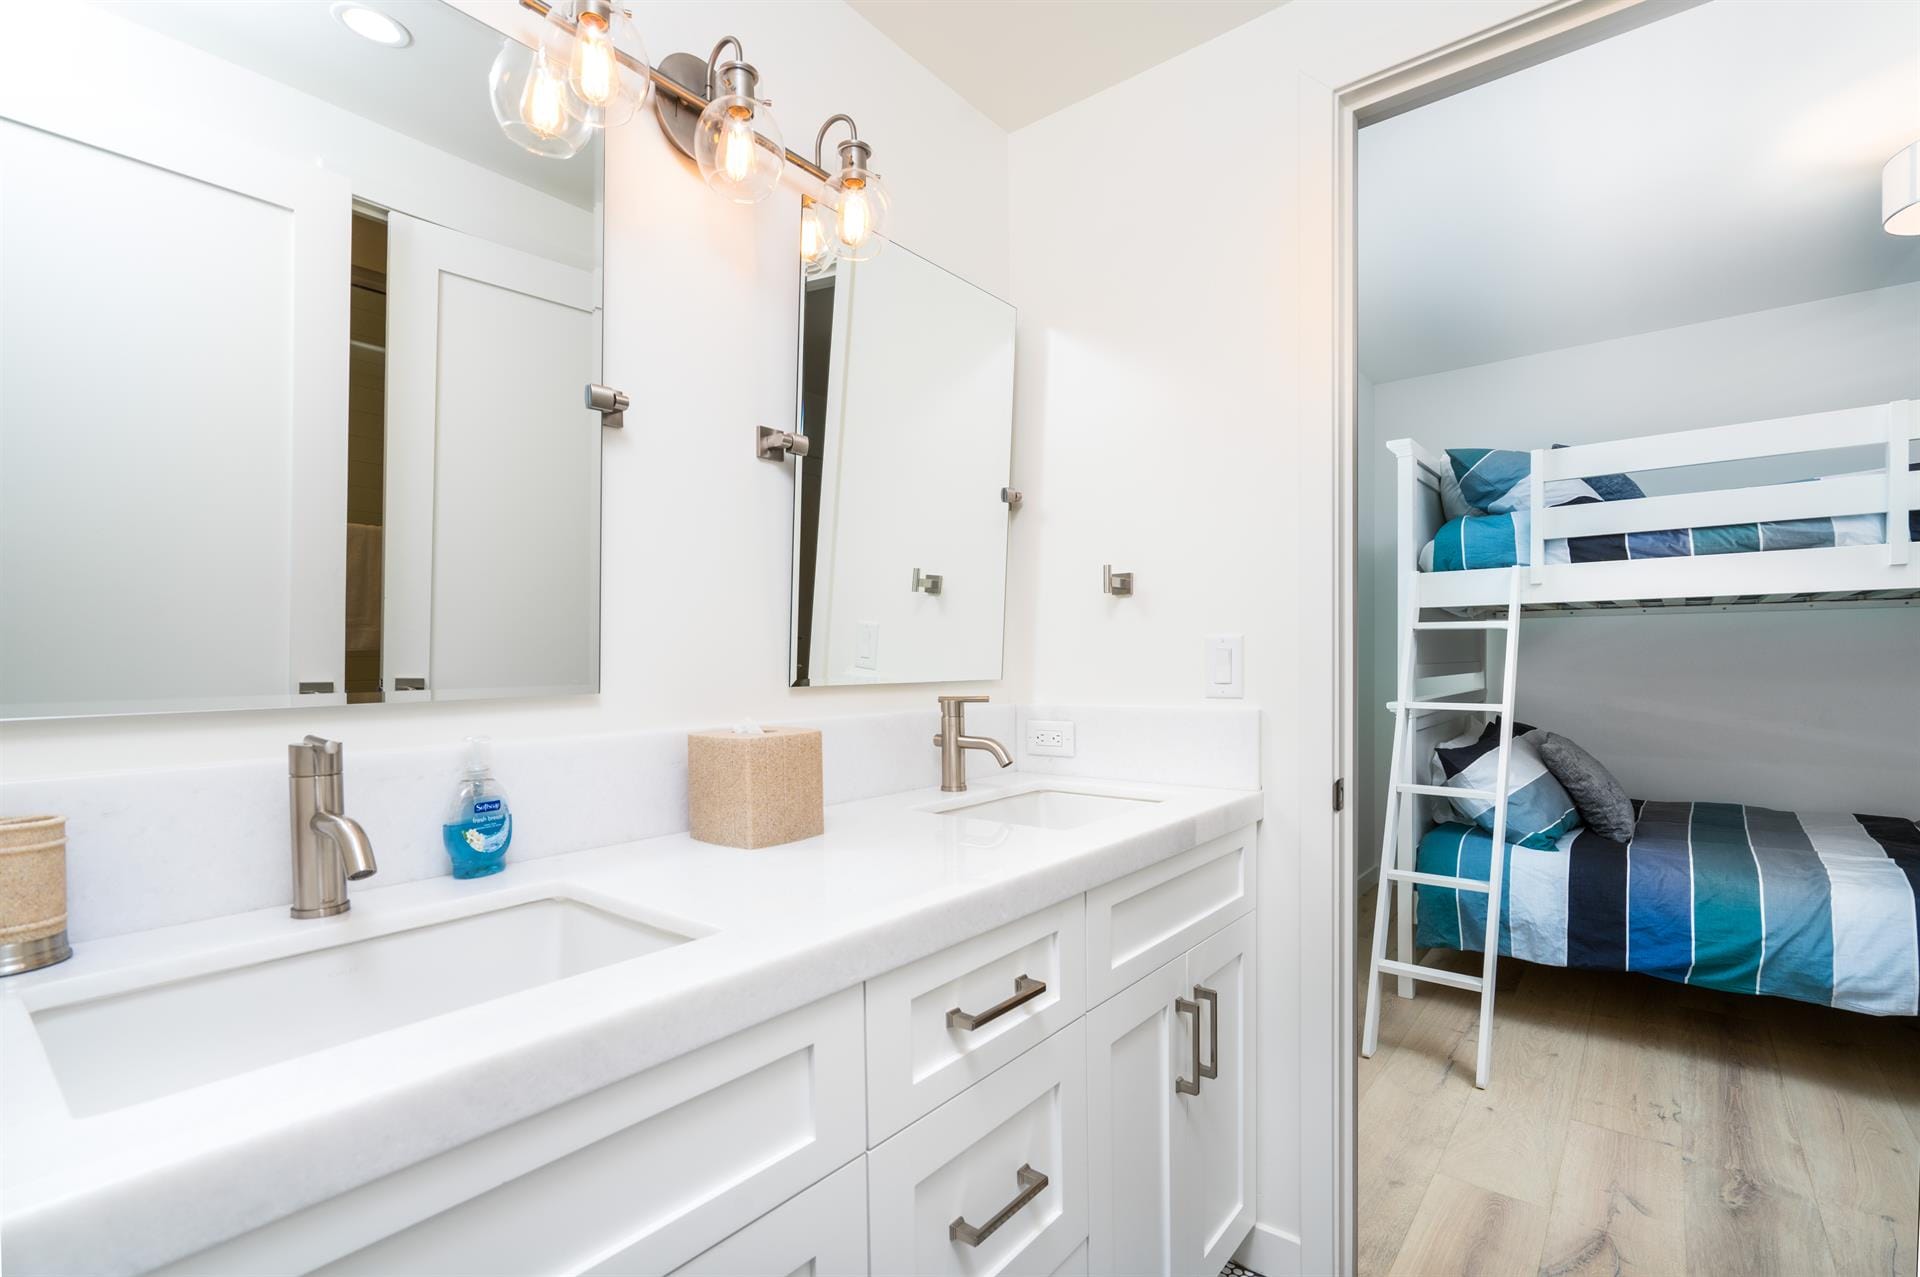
1721,160
1020,60
435,90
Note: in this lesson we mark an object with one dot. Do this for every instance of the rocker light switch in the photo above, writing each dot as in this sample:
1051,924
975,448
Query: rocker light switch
1225,673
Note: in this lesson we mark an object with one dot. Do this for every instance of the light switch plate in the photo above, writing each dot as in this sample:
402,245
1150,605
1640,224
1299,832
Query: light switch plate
867,651
1225,675
1050,739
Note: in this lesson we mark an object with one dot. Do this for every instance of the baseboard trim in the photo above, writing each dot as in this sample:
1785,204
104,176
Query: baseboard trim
1270,1252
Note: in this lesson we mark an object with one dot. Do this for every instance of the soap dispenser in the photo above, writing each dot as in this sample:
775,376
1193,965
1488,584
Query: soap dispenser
479,823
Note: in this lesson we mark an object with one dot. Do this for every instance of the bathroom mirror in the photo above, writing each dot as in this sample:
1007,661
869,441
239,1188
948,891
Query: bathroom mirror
293,344
900,507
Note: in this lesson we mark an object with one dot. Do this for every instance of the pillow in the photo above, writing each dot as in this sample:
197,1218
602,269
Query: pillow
1496,480
1603,806
1538,809
1453,502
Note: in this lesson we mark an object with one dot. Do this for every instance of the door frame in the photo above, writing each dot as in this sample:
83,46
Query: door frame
1330,120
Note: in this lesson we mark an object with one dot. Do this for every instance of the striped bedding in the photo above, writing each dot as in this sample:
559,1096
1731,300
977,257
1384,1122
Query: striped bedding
1503,540
1818,907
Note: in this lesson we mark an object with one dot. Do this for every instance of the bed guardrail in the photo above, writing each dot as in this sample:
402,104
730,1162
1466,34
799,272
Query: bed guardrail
1890,491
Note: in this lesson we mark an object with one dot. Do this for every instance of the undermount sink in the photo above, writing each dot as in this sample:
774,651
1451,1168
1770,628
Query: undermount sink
1049,808
113,1051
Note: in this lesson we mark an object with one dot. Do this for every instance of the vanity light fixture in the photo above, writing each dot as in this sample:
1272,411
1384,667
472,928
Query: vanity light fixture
607,89
1900,192
371,24
856,223
817,241
528,88
736,142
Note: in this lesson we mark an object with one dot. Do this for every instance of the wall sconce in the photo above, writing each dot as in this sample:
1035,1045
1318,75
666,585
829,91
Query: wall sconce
588,71
854,228
584,73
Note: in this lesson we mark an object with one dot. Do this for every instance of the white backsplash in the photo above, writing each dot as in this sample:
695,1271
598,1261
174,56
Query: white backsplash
155,848
1166,744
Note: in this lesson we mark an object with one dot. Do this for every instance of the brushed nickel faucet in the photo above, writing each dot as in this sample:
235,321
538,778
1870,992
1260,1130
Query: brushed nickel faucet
329,847
954,742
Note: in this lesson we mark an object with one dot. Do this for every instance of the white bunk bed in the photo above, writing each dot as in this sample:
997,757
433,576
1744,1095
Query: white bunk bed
1442,691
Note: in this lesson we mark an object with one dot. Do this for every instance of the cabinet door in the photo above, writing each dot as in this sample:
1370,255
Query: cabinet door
1213,1150
821,1233
1137,1042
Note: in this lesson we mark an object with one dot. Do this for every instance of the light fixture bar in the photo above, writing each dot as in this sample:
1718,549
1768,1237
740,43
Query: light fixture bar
689,98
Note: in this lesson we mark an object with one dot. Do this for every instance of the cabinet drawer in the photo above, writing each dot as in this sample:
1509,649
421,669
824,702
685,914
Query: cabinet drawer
821,1233
921,1054
1153,915
636,1177
973,1163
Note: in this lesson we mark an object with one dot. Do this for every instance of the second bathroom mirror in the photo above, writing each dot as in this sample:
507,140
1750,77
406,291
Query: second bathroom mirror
900,508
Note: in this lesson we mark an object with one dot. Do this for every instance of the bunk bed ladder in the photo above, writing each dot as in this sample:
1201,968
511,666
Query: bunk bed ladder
1397,855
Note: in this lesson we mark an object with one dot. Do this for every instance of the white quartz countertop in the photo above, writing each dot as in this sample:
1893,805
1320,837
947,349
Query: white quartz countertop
890,881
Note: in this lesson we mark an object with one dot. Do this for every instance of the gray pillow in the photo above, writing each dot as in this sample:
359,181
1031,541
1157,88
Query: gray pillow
1603,806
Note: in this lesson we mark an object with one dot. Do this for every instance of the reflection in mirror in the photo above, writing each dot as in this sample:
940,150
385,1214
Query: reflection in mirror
900,523
291,369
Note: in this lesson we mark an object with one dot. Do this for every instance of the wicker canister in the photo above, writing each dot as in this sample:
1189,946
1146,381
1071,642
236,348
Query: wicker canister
33,893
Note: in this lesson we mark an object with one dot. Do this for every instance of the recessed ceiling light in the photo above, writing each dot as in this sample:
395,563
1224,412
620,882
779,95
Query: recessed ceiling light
371,24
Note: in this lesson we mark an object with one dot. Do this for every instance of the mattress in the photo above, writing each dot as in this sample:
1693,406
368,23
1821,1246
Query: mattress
1503,540
1823,908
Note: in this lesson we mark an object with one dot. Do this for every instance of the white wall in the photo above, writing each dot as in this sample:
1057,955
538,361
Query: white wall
700,330
1161,367
1815,711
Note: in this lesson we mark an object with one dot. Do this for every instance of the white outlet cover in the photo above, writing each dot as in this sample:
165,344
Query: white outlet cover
1050,738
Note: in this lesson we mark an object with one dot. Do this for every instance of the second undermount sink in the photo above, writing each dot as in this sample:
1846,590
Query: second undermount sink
126,1048
1049,808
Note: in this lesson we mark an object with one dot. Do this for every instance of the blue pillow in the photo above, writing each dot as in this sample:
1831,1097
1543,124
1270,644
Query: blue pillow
1496,480
1539,809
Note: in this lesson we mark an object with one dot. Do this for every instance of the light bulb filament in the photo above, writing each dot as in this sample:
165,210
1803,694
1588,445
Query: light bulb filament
542,105
736,148
594,72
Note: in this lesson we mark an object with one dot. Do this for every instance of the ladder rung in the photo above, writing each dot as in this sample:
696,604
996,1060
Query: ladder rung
1449,706
1463,625
1439,880
1435,974
1444,791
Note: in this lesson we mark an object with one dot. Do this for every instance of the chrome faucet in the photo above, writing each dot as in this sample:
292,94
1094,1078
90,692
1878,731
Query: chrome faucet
954,742
328,846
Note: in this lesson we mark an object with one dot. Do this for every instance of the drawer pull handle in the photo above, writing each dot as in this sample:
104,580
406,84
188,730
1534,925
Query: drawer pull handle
1025,989
1032,1184
1181,1085
1212,999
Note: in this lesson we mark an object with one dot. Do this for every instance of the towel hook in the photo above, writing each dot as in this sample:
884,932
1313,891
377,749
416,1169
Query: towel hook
1118,584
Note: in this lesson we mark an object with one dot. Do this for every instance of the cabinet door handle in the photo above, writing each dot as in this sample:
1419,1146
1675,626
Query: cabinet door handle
1025,989
1032,1184
1212,999
1189,1086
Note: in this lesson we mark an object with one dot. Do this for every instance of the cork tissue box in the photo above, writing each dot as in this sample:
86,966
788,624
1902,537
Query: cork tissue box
754,789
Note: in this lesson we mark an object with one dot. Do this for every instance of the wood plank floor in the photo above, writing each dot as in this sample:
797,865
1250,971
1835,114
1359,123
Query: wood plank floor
1635,1126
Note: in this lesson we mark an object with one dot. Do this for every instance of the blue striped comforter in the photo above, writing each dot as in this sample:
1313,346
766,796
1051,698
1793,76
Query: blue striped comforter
1504,540
1822,908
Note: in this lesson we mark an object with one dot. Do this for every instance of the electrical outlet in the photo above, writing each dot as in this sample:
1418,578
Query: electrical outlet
1050,739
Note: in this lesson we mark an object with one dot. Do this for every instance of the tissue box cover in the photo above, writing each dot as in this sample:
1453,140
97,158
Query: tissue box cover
754,790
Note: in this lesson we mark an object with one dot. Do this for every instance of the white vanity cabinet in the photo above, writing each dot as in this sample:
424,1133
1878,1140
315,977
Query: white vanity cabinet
1067,1093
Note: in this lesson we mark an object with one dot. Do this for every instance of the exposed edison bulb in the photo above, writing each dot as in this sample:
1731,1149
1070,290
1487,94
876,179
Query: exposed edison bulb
593,61
607,77
856,218
737,147
861,215
544,103
528,90
817,244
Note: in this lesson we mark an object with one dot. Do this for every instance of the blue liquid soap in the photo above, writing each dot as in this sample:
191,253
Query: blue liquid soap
479,823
